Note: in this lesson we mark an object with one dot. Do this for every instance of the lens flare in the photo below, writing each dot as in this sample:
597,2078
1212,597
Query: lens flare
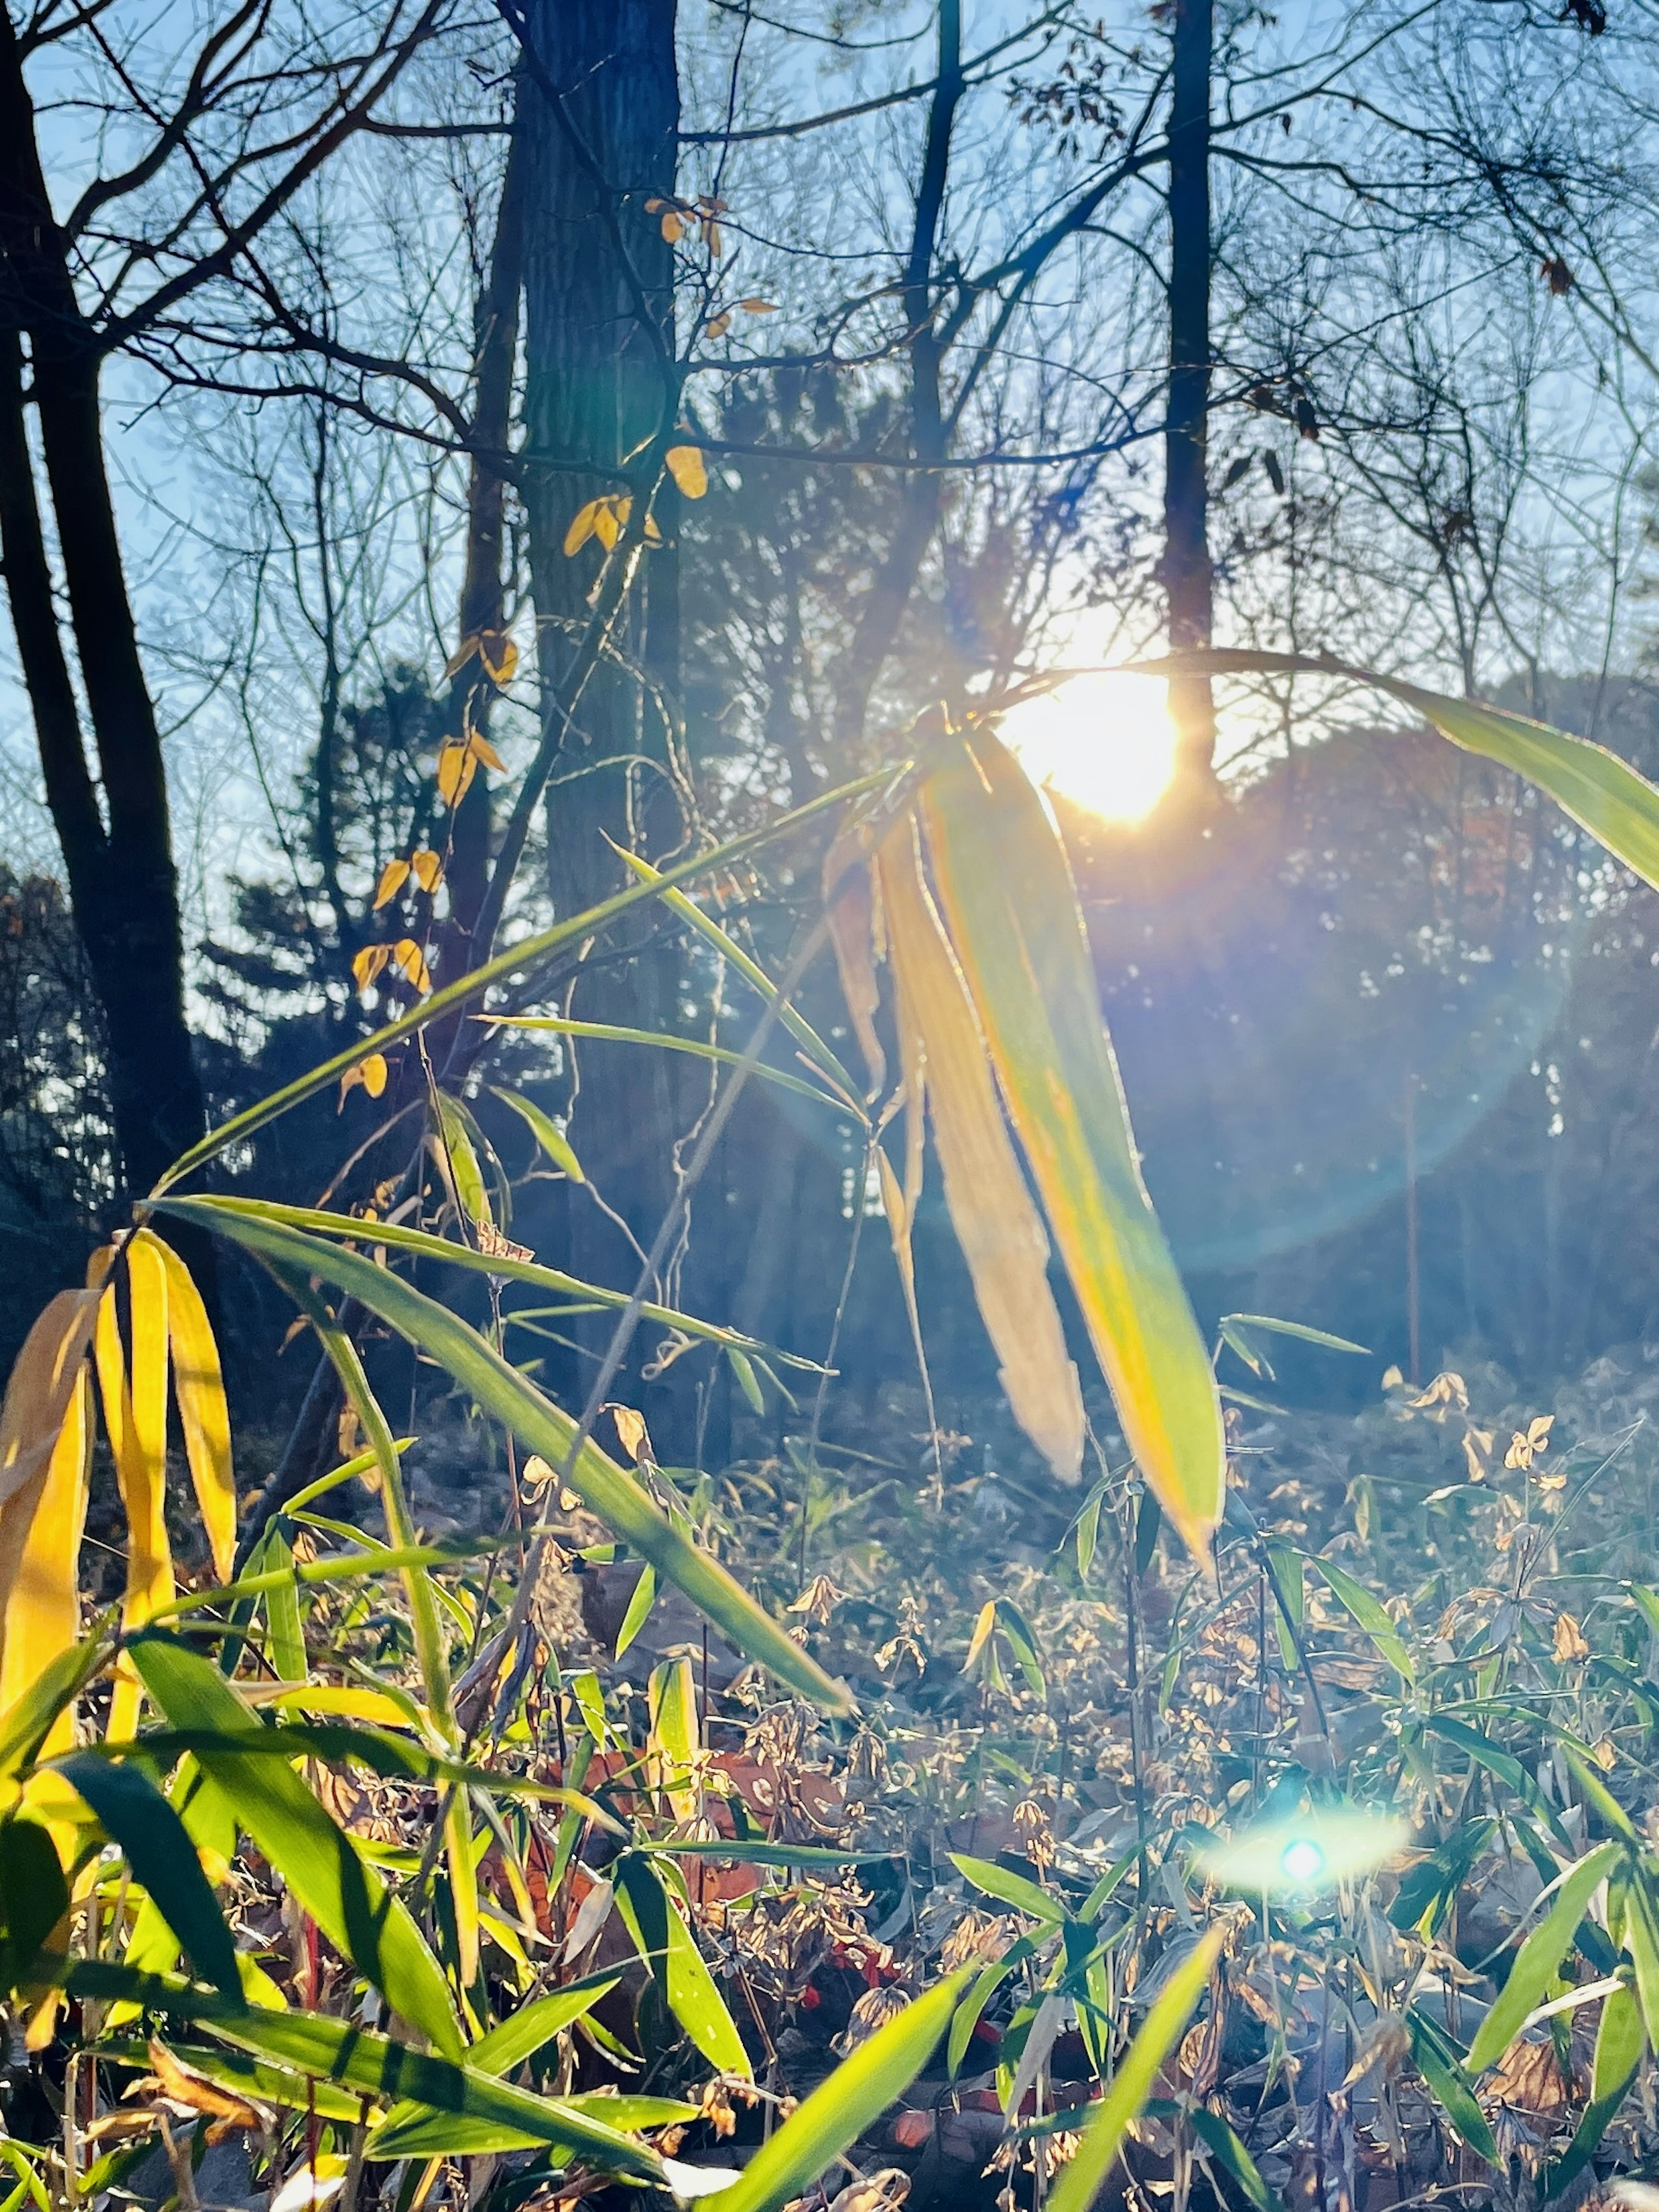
1312,1851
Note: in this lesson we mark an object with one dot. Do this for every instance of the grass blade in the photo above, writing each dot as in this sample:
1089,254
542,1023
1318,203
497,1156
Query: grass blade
1007,893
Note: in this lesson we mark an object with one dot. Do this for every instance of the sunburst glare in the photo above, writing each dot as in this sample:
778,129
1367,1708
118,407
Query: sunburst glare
1103,742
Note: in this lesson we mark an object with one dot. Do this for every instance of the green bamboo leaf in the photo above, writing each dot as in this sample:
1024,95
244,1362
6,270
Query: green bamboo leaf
792,1019
1602,792
670,1949
341,2052
639,1609
134,1813
971,2010
663,1041
416,2131
455,1142
1619,2045
1538,1960
542,1126
1008,1887
1237,1339
27,1722
1229,2153
398,1236
748,1382
502,968
1010,908
1504,1765
1598,1796
245,2075
320,1863
840,2110
1138,2069
1642,1942
752,1852
1299,1329
1438,2062
1369,1615
542,1427
286,1647
33,1896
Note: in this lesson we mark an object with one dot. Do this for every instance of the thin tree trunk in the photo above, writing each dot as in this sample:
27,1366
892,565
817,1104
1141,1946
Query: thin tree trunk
122,880
1187,570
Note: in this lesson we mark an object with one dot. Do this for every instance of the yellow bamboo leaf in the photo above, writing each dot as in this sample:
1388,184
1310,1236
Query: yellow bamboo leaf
900,1217
371,1073
199,1387
499,654
394,877
610,517
428,869
758,306
673,228
630,1429
850,905
464,1885
40,1385
686,465
367,964
675,1735
412,960
456,769
134,1421
1007,897
463,652
481,750
717,325
997,1225
40,1530
583,525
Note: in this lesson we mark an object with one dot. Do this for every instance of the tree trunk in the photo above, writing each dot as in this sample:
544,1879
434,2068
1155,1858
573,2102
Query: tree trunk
1186,572
122,880
599,312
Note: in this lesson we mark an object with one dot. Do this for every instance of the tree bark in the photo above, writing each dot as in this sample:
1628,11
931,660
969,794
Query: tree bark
599,328
1188,575
122,880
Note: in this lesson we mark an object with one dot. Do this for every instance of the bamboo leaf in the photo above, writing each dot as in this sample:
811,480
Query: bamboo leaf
1438,2062
1600,792
319,1863
40,1386
33,1896
341,2052
1132,2084
1618,2044
40,1530
1009,904
1370,1616
135,1397
1538,1960
996,1224
134,1813
669,1948
396,1237
503,967
1229,2153
663,1041
1008,1887
198,1385
544,1129
1299,1329
839,2111
542,1426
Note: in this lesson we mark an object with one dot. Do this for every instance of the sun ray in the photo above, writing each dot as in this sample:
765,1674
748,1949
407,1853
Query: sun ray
1103,742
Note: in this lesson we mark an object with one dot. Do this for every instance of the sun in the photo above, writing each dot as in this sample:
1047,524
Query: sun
1105,742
